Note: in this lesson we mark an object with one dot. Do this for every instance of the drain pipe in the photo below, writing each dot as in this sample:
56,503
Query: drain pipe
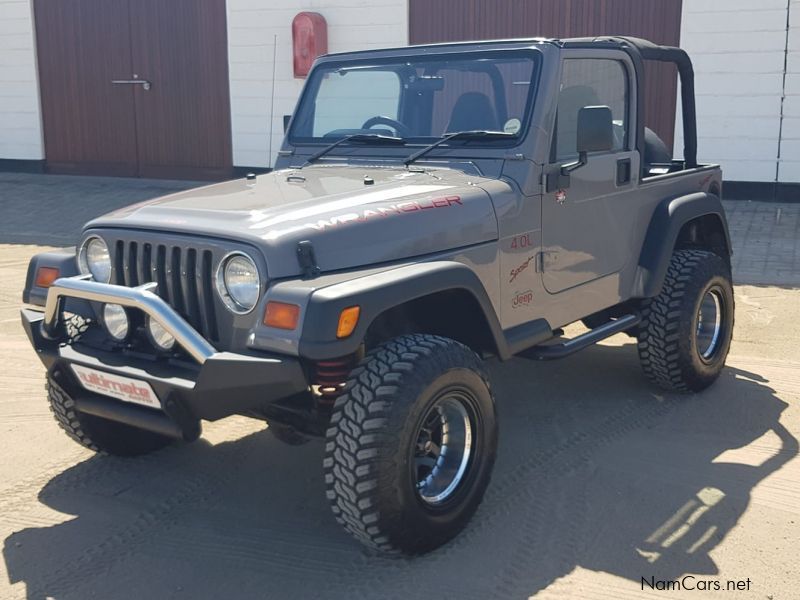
783,99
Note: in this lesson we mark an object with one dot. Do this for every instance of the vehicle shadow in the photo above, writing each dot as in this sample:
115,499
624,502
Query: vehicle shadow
595,470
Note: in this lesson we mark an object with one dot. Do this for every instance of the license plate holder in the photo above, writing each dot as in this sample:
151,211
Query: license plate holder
116,386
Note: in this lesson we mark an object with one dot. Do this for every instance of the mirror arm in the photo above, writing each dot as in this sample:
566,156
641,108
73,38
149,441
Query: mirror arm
583,159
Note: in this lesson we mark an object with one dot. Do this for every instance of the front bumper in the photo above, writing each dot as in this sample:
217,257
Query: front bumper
214,385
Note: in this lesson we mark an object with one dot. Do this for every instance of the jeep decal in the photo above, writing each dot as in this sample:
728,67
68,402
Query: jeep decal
522,299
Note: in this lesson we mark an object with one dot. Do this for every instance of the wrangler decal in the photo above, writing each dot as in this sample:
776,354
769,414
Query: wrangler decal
393,209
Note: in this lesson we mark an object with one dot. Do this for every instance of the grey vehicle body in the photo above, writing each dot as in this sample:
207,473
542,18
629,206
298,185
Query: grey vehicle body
490,244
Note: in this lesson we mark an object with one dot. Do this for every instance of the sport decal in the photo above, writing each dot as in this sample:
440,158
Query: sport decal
516,272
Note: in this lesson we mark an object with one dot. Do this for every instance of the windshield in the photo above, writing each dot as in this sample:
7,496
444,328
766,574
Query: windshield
418,99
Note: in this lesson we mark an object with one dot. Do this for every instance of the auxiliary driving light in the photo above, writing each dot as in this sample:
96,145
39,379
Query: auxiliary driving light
159,337
115,319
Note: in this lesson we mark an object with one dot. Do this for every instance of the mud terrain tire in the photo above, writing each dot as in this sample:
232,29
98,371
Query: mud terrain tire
409,398
686,330
97,434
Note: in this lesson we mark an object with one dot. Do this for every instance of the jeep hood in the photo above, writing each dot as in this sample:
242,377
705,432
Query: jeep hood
354,216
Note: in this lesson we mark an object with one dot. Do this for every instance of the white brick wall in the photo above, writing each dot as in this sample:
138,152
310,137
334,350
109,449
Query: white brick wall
252,25
738,49
20,121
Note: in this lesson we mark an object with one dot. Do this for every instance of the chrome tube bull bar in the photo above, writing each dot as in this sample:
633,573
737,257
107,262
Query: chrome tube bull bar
141,297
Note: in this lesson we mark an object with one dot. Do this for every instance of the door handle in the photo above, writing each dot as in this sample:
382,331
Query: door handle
143,82
624,171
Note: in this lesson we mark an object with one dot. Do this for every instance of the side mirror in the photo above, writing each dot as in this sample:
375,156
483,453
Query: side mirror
595,134
595,129
286,120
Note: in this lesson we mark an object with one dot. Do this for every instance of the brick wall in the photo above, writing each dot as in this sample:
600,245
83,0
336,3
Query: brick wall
20,122
252,25
739,50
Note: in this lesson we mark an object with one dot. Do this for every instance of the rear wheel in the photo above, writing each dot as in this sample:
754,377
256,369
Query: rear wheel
411,445
686,330
97,434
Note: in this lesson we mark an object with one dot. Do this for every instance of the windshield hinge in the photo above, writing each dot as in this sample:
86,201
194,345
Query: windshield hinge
544,260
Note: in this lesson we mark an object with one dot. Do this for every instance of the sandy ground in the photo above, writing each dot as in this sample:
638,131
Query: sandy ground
600,481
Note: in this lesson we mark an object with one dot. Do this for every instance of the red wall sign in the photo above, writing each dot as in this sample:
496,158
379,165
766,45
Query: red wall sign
309,40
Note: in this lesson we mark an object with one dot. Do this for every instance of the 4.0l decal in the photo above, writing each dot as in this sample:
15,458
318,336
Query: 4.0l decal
521,241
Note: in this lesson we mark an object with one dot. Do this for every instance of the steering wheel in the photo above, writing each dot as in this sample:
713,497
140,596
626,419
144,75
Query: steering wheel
399,128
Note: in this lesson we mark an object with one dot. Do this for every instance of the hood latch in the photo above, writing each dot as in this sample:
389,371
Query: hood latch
307,259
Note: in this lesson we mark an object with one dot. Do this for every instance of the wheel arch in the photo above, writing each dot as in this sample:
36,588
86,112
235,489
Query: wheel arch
692,221
433,296
453,313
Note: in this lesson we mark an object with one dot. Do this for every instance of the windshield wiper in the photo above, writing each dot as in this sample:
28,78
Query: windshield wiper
464,135
366,138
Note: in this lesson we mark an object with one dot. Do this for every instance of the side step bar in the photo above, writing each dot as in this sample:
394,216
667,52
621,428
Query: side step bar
554,351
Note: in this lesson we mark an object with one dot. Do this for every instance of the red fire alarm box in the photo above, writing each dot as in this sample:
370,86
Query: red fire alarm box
309,40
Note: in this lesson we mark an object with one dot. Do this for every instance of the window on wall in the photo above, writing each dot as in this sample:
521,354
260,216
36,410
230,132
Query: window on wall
591,82
338,108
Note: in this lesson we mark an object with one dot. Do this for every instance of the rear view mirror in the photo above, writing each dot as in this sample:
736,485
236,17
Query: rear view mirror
595,134
595,129
427,83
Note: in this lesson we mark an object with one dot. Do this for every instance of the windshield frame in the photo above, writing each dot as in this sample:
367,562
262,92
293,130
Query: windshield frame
414,58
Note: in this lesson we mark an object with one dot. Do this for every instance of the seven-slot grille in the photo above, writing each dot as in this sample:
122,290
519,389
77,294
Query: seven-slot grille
184,277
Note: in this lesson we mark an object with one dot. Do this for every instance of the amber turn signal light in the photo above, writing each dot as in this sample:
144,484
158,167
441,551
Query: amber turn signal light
348,319
281,315
45,276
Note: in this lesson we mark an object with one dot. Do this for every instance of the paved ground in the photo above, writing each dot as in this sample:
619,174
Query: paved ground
766,236
52,209
766,241
600,480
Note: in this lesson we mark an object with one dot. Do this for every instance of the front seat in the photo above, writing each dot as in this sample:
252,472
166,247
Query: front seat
473,111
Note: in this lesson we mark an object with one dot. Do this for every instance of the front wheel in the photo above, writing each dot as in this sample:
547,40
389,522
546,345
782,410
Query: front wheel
97,434
686,330
411,445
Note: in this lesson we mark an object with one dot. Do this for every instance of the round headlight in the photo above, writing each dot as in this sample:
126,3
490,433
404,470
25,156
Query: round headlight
238,283
94,258
159,336
116,321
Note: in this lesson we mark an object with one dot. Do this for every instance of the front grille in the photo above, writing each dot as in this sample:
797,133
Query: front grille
184,277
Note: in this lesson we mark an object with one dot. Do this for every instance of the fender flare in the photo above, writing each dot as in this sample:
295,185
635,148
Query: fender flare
379,292
666,223
63,261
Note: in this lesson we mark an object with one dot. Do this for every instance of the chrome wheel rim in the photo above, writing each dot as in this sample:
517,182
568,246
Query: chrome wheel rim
709,323
443,449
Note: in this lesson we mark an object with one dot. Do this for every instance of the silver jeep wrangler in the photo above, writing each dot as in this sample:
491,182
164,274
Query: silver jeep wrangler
431,207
